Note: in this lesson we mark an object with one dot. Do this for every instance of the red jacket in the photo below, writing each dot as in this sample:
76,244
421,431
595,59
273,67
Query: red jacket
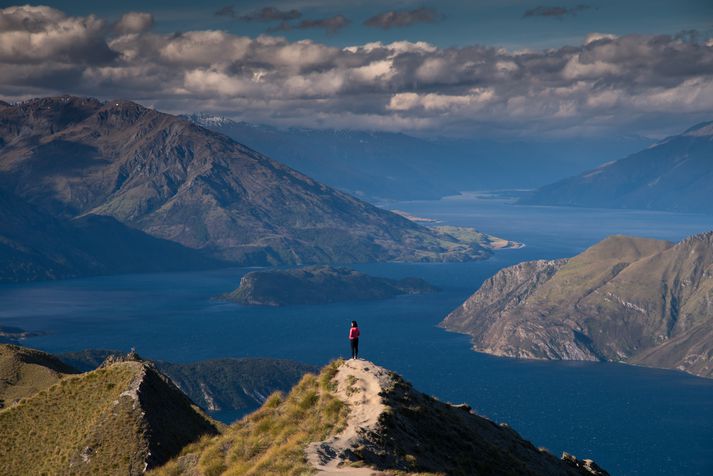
354,333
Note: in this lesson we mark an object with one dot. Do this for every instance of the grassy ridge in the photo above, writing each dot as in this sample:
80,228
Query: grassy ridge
88,414
273,439
24,372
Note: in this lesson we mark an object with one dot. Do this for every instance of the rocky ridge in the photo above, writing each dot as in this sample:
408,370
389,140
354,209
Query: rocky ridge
641,301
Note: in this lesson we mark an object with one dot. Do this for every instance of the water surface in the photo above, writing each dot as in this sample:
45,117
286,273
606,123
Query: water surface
633,421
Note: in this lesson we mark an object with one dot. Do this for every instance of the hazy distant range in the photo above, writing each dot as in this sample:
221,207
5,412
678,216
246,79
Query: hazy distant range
395,166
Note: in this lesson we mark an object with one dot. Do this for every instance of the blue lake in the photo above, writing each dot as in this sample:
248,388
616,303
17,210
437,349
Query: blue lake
633,421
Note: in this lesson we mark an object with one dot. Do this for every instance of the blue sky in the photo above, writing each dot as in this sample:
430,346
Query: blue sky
493,22
488,67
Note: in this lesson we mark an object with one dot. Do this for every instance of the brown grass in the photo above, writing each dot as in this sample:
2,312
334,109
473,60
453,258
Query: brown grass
271,440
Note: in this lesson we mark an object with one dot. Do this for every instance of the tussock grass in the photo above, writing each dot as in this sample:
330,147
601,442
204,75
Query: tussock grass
82,411
272,440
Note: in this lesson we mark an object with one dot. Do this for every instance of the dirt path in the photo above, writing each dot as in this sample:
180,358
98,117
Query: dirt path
359,383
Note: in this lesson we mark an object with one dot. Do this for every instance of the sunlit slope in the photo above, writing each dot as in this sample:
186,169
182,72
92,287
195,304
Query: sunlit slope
24,372
637,300
116,420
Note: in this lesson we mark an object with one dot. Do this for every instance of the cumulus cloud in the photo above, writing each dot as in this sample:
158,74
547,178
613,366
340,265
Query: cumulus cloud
606,82
555,11
39,33
401,18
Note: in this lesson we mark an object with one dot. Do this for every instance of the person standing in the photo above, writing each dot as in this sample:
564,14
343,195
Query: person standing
354,339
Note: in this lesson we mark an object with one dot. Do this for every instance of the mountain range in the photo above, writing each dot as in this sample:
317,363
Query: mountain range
379,165
636,300
675,174
148,176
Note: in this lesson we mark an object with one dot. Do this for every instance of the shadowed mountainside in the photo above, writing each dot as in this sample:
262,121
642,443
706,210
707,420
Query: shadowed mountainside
35,245
676,174
635,300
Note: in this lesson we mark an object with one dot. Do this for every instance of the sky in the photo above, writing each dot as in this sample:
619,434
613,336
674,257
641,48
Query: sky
480,68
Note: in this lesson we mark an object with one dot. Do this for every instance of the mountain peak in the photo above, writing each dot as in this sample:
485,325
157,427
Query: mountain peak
701,129
359,418
180,182
207,119
119,419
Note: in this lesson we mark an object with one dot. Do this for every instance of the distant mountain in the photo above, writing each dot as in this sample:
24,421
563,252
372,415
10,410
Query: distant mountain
384,165
220,384
73,157
675,174
318,285
119,419
35,245
356,418
635,300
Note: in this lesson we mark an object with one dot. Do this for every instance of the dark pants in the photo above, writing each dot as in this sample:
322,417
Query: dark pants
355,347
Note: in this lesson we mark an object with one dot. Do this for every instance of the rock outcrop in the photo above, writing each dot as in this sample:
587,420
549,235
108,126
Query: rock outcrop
635,300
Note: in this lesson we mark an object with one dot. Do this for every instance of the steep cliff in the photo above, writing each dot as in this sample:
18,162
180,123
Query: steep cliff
635,300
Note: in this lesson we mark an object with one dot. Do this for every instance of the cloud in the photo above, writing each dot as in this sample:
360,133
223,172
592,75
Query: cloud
134,22
402,18
603,83
266,14
331,25
31,34
555,11
226,11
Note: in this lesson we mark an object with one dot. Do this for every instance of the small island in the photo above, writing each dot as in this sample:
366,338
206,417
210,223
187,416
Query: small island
13,335
319,285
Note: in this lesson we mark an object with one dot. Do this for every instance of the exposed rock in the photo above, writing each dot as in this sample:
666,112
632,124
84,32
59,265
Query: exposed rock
391,426
636,300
